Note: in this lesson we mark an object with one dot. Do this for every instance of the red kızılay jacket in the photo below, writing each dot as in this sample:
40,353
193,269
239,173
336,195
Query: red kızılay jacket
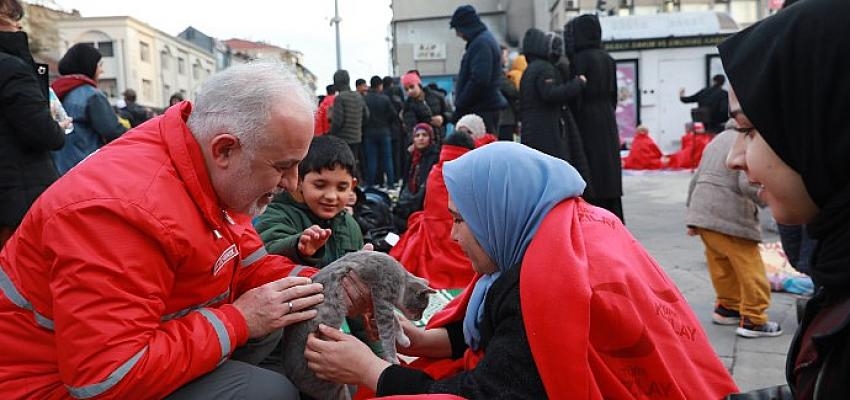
118,282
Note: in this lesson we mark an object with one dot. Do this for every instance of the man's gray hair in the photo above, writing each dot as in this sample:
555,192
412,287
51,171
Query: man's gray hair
239,100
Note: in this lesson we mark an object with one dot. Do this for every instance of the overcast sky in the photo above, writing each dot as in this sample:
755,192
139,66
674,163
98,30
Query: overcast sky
302,25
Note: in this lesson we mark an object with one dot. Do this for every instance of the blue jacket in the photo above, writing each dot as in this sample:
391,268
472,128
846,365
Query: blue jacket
480,73
95,124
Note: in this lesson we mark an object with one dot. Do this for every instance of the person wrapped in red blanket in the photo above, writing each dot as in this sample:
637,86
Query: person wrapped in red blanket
693,143
566,304
425,248
644,153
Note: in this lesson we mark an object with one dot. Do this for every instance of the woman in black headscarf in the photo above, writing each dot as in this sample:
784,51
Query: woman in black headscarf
95,124
790,76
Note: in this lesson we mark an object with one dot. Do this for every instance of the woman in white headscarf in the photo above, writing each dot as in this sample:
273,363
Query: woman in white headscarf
566,303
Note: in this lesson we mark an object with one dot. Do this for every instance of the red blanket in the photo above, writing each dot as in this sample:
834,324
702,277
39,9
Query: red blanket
621,329
691,152
426,248
644,153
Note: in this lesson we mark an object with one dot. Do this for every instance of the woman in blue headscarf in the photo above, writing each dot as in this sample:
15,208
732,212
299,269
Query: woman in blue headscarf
552,313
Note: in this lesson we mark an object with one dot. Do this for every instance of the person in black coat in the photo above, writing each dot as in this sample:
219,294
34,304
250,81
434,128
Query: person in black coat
27,130
480,74
594,111
712,104
547,122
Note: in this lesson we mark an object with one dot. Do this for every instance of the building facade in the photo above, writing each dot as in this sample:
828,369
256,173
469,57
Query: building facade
139,57
744,12
249,50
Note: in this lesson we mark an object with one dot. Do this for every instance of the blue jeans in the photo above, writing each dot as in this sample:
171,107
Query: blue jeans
379,149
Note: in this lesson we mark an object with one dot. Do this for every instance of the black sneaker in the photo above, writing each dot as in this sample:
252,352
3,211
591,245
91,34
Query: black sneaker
725,316
751,330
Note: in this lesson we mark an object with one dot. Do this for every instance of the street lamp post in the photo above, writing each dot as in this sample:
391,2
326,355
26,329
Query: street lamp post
336,20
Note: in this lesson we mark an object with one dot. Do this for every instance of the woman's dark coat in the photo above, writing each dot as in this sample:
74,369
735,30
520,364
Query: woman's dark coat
594,109
547,123
27,130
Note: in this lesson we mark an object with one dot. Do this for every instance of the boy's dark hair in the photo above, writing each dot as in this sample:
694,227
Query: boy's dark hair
327,152
376,81
460,139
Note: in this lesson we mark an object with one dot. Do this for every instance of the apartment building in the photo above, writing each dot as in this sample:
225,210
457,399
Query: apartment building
140,57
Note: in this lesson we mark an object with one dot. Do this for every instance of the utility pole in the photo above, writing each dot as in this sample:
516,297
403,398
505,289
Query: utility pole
336,20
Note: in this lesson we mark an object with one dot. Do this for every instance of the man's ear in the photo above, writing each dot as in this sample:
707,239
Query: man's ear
224,148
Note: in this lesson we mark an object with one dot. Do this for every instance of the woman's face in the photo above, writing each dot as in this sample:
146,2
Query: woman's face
780,186
421,139
98,71
481,262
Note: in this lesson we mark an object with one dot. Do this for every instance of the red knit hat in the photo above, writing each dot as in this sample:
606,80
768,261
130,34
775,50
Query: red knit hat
410,78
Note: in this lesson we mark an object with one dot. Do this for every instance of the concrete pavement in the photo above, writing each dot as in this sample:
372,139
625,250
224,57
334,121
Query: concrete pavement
654,208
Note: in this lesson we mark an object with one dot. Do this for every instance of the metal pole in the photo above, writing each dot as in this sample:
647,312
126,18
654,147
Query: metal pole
336,20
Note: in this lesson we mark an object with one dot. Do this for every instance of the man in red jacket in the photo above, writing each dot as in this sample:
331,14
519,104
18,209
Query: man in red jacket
139,272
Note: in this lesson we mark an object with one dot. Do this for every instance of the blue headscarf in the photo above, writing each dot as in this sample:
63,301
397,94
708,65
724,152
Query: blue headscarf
503,191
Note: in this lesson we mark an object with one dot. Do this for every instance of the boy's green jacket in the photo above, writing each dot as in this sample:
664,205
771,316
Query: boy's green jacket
286,219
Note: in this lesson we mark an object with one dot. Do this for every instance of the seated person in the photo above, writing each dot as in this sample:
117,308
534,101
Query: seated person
309,224
424,153
621,326
426,249
693,143
473,125
644,153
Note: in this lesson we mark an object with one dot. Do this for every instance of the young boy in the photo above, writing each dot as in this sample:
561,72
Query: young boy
310,225
722,210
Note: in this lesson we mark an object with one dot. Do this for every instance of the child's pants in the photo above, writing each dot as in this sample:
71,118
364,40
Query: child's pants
737,273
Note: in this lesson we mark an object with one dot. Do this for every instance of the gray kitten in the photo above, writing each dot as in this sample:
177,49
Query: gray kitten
391,285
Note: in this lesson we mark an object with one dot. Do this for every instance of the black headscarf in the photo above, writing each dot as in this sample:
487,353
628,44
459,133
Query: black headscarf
81,58
791,74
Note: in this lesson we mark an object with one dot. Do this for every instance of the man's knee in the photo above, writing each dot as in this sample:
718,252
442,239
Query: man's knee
238,380
267,384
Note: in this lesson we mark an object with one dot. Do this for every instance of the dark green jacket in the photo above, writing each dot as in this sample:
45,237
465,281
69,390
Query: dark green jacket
285,220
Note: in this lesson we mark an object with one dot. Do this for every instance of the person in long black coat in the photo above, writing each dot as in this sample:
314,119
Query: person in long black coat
547,122
27,129
594,111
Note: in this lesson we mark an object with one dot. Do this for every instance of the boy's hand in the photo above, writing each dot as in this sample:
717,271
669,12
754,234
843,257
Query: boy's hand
312,240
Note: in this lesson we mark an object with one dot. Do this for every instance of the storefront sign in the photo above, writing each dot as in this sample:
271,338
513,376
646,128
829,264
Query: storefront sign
429,51
665,43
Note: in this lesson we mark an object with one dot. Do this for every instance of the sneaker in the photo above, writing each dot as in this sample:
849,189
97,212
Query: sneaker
750,330
725,316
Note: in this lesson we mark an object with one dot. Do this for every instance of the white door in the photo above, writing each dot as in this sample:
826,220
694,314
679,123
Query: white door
672,113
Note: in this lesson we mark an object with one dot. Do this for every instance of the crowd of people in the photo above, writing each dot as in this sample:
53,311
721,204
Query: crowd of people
175,275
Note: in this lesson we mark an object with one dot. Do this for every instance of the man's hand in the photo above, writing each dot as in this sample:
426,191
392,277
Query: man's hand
437,120
312,240
279,303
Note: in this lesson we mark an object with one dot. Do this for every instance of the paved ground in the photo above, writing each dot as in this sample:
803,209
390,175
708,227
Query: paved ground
654,207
